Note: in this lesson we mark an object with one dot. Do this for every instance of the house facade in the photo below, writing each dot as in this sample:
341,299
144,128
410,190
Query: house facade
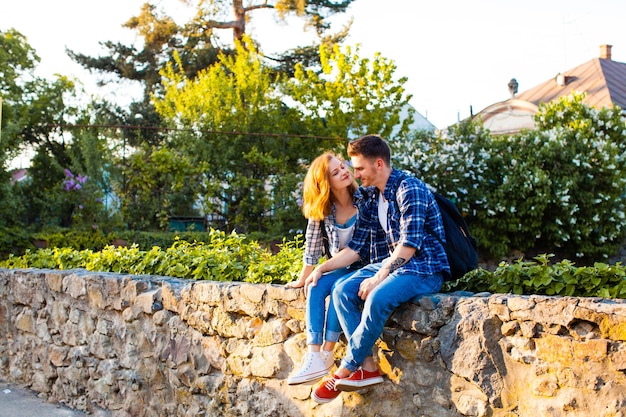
602,79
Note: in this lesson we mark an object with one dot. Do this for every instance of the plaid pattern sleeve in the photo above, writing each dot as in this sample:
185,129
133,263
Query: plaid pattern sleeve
313,242
411,207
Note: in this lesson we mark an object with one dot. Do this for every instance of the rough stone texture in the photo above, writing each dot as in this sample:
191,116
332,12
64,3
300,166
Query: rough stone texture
118,345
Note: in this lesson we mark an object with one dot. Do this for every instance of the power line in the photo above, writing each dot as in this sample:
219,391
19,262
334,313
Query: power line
173,129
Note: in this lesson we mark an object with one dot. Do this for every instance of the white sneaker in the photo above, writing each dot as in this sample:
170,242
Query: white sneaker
314,366
328,356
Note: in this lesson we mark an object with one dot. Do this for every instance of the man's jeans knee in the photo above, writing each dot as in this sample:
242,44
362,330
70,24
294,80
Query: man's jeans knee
363,321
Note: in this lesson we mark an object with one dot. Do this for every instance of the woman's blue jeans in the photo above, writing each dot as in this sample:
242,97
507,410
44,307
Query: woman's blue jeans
363,321
322,324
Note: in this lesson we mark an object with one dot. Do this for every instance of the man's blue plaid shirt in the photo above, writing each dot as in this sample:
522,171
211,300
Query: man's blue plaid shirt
411,206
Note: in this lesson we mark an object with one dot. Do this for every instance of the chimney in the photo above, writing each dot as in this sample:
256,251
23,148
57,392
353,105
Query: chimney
605,51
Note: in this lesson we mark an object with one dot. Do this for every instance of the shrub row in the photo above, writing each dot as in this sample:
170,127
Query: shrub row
558,188
219,257
233,257
17,240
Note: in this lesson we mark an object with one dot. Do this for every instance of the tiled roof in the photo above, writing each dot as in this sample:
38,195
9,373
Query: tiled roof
603,80
615,74
18,175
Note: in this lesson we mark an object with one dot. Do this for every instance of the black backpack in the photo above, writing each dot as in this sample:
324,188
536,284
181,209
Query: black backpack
460,246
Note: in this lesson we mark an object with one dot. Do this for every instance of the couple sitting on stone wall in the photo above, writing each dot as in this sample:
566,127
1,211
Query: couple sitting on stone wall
381,225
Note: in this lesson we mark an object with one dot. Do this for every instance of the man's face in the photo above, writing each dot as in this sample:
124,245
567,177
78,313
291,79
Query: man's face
365,170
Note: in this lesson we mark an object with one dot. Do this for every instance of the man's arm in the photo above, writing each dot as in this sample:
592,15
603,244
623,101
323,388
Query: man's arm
400,256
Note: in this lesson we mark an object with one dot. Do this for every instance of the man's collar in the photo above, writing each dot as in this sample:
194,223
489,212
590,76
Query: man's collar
394,179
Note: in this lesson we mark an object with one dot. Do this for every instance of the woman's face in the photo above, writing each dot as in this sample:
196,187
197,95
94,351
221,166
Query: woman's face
340,176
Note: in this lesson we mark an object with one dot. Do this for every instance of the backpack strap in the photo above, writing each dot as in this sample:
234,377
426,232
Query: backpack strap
326,242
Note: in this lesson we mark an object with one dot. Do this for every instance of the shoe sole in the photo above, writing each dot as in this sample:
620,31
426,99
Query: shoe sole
349,386
308,378
321,400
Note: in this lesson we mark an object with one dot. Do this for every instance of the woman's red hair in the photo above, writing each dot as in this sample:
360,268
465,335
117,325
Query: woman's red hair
316,195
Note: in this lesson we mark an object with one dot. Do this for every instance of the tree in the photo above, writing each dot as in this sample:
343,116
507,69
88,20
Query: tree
315,13
196,46
161,38
351,96
16,59
252,172
159,183
33,111
242,96
33,107
17,62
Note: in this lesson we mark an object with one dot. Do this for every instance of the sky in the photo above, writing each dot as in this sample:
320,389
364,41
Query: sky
457,55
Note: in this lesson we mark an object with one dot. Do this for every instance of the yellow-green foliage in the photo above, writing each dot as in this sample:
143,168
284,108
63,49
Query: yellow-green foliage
224,257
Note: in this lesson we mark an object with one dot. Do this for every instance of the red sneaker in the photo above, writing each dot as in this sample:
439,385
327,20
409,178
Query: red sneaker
326,390
359,379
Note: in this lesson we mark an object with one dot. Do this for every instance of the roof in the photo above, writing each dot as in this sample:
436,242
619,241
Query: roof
19,175
603,80
508,117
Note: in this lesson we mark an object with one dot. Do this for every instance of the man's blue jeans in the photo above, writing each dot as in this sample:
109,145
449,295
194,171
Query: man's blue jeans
323,324
363,321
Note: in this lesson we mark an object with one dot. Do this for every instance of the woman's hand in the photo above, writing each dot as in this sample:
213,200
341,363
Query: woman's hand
304,274
311,280
296,284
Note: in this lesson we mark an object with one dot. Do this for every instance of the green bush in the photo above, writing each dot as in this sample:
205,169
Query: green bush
558,188
282,267
97,240
14,240
74,238
221,257
540,277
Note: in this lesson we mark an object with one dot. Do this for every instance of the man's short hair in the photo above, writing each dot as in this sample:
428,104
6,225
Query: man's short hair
370,147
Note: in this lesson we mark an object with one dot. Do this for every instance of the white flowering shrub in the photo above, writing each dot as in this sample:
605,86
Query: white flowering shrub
557,188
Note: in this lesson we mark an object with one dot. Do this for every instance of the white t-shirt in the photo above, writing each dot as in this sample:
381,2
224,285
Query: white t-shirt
383,208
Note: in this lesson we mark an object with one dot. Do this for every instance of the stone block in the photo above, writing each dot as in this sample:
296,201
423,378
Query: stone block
147,301
74,285
25,321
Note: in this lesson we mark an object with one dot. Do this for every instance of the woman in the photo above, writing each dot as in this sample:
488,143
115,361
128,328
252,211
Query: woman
328,192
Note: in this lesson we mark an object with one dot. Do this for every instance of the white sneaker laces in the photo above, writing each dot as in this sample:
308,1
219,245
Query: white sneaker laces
330,384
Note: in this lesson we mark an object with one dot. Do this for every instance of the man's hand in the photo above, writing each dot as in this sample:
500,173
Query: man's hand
388,266
368,285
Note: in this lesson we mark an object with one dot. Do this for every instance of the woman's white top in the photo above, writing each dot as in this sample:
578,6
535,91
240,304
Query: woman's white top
345,231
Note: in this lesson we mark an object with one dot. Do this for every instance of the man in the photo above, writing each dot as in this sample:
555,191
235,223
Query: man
403,207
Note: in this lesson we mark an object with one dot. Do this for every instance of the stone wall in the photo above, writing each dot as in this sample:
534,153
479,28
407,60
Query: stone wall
119,345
